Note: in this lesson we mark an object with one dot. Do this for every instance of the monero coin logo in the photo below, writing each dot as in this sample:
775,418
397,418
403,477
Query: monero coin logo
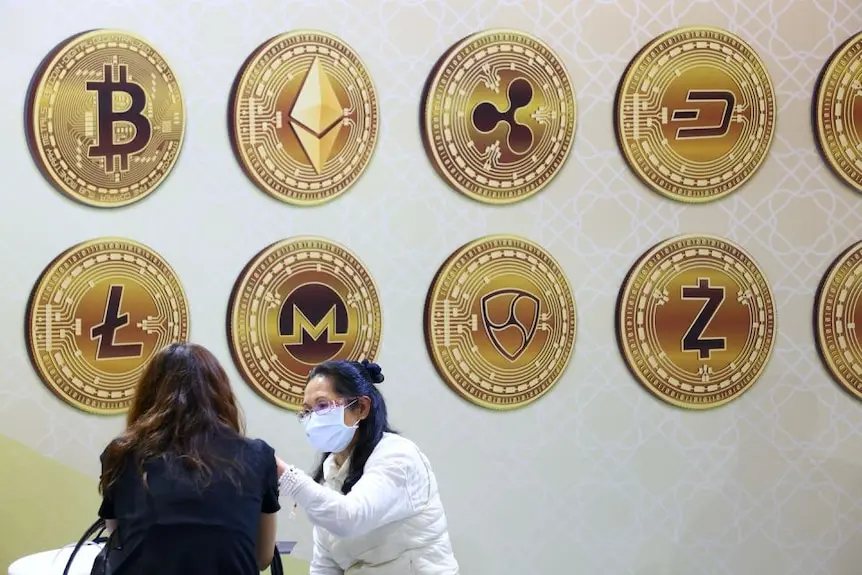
498,119
695,114
105,118
97,315
696,321
300,302
500,322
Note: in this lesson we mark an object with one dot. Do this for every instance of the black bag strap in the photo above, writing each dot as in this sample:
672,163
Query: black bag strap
275,568
94,532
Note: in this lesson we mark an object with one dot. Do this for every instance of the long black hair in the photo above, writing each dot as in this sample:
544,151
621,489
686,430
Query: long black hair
354,379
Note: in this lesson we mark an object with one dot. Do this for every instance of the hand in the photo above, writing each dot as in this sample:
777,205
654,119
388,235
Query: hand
280,466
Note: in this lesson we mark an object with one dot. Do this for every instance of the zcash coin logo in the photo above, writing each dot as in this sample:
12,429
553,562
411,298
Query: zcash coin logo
105,118
300,302
500,322
96,316
695,114
696,321
838,112
837,313
498,118
303,117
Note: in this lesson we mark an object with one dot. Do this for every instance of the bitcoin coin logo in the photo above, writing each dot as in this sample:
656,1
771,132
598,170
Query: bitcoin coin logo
695,114
303,117
498,117
500,322
97,315
105,118
696,321
300,302
836,314
838,112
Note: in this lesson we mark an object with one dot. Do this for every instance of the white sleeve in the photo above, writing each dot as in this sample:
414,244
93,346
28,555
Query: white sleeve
393,485
321,562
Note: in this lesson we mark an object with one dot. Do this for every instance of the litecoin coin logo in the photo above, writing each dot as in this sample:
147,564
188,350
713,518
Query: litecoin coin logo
105,118
498,117
695,114
97,315
300,302
500,322
837,313
303,117
838,112
696,321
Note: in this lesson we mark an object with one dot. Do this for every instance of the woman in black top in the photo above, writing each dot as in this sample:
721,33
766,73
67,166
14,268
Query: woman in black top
187,492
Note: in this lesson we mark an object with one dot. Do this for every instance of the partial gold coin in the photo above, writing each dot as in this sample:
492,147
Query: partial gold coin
297,303
303,117
498,116
96,316
695,114
500,322
696,321
105,118
836,314
838,112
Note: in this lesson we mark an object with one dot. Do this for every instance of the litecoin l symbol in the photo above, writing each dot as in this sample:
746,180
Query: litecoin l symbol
105,90
693,340
723,96
106,331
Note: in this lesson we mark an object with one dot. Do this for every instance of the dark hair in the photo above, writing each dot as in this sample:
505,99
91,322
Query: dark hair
355,379
183,400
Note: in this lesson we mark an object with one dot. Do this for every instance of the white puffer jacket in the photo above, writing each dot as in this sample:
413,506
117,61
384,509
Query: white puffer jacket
391,523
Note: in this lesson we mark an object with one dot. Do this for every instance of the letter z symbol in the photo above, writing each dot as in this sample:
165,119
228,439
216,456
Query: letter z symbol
693,339
727,98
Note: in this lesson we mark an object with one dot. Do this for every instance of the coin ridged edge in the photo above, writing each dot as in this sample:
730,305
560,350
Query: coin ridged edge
32,351
819,336
817,103
427,323
235,296
620,328
618,130
34,91
233,102
425,122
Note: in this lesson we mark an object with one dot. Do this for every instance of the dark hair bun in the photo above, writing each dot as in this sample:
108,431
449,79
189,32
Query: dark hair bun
375,373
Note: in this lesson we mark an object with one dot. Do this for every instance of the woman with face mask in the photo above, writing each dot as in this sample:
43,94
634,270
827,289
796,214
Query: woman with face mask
373,498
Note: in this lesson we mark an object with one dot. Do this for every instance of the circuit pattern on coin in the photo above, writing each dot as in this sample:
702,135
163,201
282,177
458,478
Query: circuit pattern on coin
837,313
105,118
696,321
500,322
97,315
838,112
695,114
304,117
498,117
298,303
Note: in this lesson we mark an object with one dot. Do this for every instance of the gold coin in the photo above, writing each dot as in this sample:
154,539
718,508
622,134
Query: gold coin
303,117
500,322
695,114
96,316
838,112
105,118
498,116
836,315
696,321
297,303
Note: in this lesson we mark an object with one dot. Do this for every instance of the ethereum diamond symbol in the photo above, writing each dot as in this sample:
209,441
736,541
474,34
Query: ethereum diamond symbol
316,115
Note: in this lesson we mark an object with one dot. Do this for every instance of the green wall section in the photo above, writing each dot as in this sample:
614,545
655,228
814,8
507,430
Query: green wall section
45,505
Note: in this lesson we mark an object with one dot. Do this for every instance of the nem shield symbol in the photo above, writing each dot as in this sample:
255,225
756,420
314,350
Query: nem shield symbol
510,317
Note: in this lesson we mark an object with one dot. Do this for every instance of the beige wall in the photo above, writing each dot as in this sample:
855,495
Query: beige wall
597,477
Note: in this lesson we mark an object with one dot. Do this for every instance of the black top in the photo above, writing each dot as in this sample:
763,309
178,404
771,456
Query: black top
182,528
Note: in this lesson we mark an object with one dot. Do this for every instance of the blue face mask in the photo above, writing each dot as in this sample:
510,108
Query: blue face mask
327,432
